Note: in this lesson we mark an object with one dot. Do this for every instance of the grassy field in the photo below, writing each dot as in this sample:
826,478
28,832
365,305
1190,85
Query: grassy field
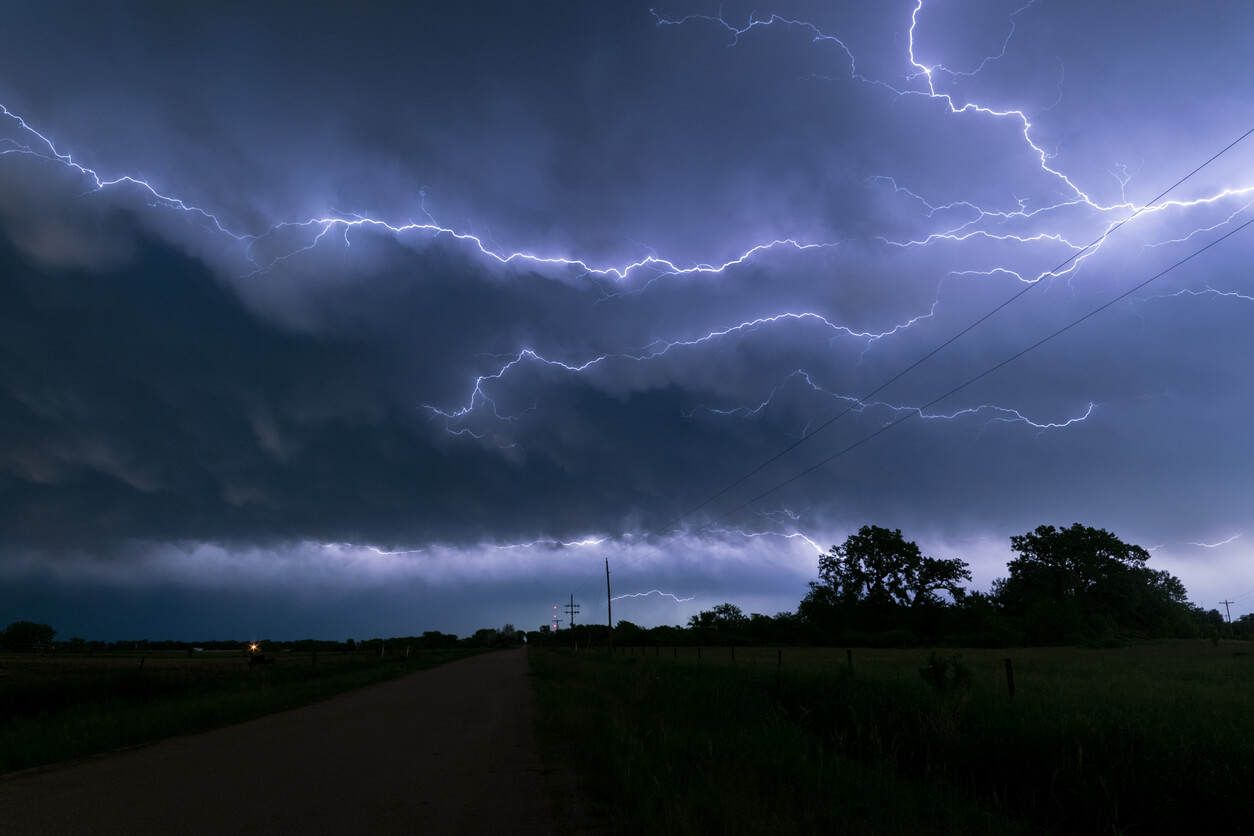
60,707
1156,738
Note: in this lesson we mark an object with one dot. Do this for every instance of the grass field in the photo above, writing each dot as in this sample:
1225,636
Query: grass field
60,707
1156,738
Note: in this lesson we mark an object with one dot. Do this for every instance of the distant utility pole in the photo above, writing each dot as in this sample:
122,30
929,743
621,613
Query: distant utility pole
609,604
1229,612
572,609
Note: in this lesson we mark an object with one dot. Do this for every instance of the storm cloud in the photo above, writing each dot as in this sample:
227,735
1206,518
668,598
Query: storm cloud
315,324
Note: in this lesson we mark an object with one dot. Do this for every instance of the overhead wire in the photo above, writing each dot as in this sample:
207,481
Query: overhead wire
918,411
963,332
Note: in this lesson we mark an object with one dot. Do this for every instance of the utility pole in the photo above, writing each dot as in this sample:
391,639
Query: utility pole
609,604
572,609
1229,612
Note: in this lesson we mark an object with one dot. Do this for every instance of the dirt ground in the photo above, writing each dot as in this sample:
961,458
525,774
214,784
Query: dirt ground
450,750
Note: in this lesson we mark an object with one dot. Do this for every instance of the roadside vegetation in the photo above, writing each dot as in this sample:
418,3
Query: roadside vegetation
1082,693
1064,586
61,706
1148,739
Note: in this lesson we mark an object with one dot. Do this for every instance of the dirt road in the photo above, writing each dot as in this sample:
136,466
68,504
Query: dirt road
449,751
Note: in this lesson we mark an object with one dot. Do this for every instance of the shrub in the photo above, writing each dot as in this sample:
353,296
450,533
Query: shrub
945,674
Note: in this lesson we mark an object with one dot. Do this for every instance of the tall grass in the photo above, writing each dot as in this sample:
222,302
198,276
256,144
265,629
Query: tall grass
1152,739
74,708
688,750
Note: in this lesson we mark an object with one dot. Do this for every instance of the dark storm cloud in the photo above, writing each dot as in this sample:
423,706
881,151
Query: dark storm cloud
194,367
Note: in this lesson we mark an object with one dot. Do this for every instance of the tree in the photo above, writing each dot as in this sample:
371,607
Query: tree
510,635
877,579
1085,583
27,636
881,567
627,634
1244,626
722,621
485,637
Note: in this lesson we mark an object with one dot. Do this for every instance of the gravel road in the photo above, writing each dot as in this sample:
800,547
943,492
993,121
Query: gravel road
450,750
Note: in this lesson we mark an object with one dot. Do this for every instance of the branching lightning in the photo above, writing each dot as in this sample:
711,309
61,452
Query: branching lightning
479,397
994,413
753,535
1068,230
657,592
28,141
920,79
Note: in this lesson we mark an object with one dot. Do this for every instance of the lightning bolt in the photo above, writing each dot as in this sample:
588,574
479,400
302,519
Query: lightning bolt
972,223
481,401
753,535
997,414
657,592
922,80
28,141
1030,229
1217,545
547,543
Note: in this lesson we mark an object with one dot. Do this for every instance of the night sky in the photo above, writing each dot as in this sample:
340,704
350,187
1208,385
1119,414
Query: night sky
318,322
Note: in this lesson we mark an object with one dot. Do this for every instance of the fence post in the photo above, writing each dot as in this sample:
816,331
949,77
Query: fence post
733,650
1010,678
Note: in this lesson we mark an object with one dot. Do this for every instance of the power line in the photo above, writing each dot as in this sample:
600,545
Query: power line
933,352
919,410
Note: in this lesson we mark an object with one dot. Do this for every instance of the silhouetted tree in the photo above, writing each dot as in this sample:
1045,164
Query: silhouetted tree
877,579
627,634
1085,583
484,637
436,639
510,636
722,623
26,636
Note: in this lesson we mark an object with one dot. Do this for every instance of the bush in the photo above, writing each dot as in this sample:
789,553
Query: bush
946,674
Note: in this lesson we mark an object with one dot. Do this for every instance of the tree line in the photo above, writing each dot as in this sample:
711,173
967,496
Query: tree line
33,637
1076,585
